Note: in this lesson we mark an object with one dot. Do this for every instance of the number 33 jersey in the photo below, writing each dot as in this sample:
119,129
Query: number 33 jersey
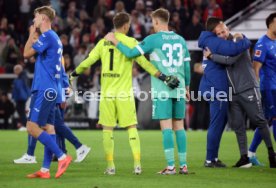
169,54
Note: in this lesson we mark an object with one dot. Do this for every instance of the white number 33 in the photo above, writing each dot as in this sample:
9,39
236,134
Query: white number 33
170,58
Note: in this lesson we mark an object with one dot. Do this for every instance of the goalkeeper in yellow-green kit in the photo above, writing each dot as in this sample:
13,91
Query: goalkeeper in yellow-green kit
117,100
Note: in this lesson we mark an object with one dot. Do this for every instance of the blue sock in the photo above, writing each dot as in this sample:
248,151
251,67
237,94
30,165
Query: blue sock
63,131
47,141
31,145
274,128
48,155
168,144
66,132
257,139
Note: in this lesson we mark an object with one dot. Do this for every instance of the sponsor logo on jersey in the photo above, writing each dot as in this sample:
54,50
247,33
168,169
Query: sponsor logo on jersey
258,53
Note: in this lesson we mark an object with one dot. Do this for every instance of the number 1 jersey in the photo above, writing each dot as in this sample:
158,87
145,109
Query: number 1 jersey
116,73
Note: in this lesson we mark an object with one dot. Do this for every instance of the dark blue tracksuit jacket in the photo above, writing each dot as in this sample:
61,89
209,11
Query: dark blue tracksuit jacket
215,77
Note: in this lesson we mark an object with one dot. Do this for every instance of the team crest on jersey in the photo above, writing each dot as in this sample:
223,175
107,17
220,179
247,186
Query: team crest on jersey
258,53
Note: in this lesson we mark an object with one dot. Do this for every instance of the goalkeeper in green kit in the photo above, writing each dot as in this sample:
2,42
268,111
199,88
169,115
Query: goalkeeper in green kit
169,54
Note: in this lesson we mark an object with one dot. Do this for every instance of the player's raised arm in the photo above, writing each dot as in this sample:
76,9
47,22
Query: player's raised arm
92,58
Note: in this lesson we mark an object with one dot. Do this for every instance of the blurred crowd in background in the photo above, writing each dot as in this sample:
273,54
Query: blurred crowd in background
80,25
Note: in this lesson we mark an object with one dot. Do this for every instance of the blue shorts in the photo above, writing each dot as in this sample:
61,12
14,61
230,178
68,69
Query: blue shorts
269,103
42,110
59,116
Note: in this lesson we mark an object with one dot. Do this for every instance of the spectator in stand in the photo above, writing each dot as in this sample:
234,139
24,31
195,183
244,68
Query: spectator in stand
182,12
141,11
100,9
101,28
24,10
119,7
213,10
81,55
11,55
85,83
137,29
3,42
194,29
197,6
176,24
85,40
69,66
6,110
67,48
75,38
20,94
71,20
94,32
148,20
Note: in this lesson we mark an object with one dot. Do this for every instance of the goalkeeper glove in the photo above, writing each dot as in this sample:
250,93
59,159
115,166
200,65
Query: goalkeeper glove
171,81
72,77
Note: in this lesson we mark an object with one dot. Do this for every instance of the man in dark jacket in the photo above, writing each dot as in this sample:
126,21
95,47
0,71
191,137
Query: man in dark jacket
20,93
246,96
6,110
213,84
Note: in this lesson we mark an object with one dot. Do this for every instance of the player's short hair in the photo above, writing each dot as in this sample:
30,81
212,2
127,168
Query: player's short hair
212,23
162,14
270,19
120,19
47,10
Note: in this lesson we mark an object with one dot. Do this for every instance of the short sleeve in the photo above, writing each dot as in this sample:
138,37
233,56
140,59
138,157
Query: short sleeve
42,43
259,53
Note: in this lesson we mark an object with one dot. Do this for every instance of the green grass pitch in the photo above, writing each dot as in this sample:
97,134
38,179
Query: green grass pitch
89,174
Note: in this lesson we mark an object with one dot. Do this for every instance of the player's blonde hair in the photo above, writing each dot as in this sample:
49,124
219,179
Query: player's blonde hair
162,14
47,10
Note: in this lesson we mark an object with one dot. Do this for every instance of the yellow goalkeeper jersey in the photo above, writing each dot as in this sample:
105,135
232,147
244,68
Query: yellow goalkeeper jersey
116,72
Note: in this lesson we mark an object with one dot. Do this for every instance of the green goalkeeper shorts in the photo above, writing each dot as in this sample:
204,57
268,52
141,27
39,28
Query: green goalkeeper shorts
170,108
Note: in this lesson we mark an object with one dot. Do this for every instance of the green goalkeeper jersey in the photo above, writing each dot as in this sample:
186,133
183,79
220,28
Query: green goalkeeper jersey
116,71
169,54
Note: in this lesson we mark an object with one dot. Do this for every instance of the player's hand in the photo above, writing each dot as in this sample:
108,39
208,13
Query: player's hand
111,37
188,96
171,81
63,105
32,30
207,52
71,78
238,36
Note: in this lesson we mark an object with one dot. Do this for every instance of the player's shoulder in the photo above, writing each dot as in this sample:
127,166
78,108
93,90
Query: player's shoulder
261,43
127,40
262,39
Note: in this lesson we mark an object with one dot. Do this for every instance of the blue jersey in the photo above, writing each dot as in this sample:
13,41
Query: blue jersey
62,84
48,65
215,75
265,53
